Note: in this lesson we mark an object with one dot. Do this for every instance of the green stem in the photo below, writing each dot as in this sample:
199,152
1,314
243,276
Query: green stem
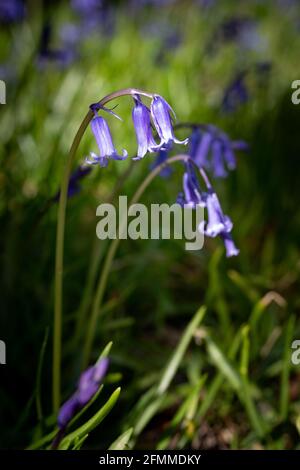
59,264
110,256
96,256
58,282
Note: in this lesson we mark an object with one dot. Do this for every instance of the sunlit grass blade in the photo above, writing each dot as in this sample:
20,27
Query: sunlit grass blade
218,380
122,441
176,359
238,383
286,367
221,362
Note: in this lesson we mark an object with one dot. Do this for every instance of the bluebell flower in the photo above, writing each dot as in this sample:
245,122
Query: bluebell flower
230,248
11,11
194,141
218,223
218,160
143,131
191,195
161,157
212,149
161,116
74,181
104,141
87,387
235,94
201,151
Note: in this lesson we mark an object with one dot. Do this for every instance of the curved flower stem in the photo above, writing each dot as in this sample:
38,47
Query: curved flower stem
111,253
58,282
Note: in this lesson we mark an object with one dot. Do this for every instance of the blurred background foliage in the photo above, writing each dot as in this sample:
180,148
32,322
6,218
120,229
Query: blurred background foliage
222,62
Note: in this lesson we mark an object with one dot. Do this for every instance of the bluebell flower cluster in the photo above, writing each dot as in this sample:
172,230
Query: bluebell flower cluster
217,224
209,149
212,149
159,115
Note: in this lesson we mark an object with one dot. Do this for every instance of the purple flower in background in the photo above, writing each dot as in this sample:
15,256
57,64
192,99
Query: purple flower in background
11,11
218,160
104,141
63,56
143,131
232,28
212,149
201,151
161,157
88,385
242,30
235,94
70,34
86,7
191,195
263,70
74,181
95,16
137,4
161,115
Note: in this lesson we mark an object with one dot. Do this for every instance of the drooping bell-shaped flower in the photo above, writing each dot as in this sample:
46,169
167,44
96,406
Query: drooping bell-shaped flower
88,385
194,141
217,223
105,144
203,149
191,195
218,159
143,131
212,149
231,249
161,115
